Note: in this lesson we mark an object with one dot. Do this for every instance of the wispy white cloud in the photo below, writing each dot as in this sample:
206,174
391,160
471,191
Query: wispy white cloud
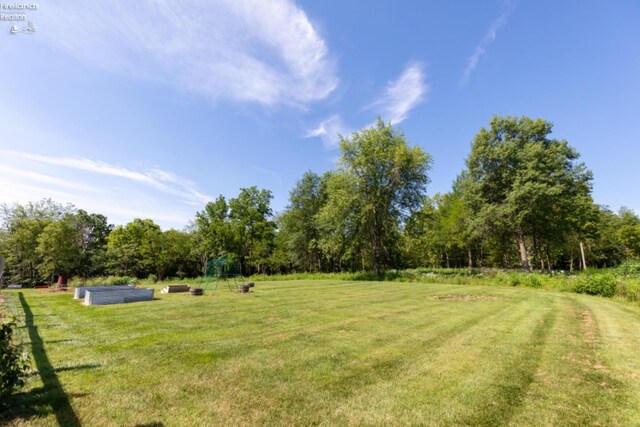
118,192
399,97
329,131
489,37
263,51
403,94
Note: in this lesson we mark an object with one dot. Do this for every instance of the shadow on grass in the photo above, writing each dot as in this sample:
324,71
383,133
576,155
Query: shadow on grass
69,368
51,397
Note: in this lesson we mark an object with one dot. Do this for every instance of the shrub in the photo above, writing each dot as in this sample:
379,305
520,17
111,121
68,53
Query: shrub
103,281
532,280
13,363
629,268
596,284
514,279
629,289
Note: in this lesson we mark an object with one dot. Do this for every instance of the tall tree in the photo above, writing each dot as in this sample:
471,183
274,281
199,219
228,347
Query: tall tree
379,181
58,248
253,228
133,249
522,184
299,228
22,224
174,256
92,233
212,232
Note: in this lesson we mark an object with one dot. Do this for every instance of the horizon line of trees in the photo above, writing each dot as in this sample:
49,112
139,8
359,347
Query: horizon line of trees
523,200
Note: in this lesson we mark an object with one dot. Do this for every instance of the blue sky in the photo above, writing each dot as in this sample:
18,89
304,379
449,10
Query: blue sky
150,109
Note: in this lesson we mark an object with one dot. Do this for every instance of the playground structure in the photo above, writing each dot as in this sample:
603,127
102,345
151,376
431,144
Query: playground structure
223,269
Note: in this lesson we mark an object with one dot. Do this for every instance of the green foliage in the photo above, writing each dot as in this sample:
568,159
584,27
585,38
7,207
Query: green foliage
103,281
523,187
212,234
596,284
13,363
299,228
523,200
93,231
44,238
380,180
58,248
630,268
133,249
253,229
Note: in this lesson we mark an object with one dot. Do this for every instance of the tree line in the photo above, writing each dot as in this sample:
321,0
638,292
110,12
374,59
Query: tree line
522,201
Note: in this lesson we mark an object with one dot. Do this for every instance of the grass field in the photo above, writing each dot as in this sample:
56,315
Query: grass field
331,353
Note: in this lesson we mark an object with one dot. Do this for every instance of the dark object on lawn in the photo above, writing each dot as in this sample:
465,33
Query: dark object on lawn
245,288
62,281
171,289
196,291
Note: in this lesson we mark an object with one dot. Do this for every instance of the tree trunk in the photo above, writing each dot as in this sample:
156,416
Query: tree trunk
469,258
584,262
571,263
524,256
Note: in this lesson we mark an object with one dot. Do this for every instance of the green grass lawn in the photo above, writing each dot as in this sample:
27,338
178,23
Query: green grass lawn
331,353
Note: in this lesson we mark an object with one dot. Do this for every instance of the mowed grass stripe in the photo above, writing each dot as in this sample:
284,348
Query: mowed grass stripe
617,365
433,389
341,353
317,381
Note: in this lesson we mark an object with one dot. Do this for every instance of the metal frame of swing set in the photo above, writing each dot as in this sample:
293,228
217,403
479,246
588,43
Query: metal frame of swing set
223,269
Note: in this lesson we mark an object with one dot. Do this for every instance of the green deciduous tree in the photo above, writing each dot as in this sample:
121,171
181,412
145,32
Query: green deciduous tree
22,226
299,229
253,228
174,256
380,180
92,233
523,186
212,231
133,249
58,248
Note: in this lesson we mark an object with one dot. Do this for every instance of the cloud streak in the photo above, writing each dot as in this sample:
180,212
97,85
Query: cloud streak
261,51
403,94
399,97
329,131
489,37
119,192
